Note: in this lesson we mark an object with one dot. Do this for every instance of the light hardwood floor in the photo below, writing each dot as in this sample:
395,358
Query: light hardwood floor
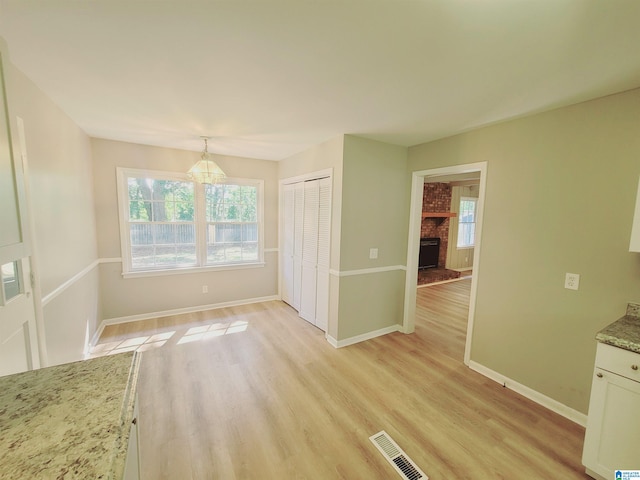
254,392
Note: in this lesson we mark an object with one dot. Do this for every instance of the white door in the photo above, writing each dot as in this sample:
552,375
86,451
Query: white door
310,251
298,218
18,340
306,240
288,209
324,242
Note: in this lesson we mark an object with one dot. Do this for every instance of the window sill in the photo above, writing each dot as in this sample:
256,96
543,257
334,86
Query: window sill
186,270
470,247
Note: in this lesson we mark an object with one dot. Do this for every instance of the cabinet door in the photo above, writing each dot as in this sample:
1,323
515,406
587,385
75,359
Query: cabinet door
612,441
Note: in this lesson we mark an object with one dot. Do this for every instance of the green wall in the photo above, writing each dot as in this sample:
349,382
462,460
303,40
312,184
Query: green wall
375,205
560,196
370,210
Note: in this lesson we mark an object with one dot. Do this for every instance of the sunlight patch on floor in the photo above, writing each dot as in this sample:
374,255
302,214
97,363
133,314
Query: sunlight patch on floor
141,343
214,330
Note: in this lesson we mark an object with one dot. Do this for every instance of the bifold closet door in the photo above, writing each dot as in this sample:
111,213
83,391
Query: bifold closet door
298,220
310,251
324,241
305,249
288,195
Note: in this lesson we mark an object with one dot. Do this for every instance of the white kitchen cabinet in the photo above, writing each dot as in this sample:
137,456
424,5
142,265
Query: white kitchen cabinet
612,440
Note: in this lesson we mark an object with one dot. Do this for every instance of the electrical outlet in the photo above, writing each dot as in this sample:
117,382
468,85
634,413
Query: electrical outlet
572,281
205,289
373,253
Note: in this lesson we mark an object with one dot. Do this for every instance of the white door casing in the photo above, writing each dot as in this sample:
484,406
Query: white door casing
415,220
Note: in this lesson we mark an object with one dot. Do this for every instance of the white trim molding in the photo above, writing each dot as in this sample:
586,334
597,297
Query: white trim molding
111,260
366,271
327,172
361,338
175,311
415,222
537,397
50,296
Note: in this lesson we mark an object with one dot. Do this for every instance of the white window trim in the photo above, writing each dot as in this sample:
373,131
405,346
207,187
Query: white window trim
125,242
475,221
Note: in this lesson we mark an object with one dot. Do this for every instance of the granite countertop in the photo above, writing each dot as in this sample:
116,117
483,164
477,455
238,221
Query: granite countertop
70,421
625,332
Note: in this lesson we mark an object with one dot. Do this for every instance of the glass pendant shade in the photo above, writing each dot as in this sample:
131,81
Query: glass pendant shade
206,170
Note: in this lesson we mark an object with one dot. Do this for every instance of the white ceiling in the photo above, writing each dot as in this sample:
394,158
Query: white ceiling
270,78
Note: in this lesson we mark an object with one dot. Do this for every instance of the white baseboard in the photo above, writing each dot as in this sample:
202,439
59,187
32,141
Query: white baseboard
176,311
595,475
539,398
361,338
451,280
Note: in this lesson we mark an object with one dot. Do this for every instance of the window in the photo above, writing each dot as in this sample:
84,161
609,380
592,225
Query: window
467,222
10,276
169,222
232,223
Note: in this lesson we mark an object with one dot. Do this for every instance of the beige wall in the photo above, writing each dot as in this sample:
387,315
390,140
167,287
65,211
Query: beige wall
560,195
321,157
369,210
61,186
138,296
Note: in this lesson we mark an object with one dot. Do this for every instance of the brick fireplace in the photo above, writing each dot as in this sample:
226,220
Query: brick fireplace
436,198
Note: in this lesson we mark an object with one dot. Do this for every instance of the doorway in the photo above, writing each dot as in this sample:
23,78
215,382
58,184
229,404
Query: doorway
447,232
413,247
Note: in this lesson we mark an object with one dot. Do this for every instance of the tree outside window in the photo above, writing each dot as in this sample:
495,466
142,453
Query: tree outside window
171,222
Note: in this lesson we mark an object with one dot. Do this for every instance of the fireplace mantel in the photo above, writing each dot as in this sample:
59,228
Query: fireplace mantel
440,216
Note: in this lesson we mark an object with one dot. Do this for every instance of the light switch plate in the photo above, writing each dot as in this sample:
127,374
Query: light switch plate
373,253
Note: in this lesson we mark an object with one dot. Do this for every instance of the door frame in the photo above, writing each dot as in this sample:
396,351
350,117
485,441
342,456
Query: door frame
23,249
33,258
413,247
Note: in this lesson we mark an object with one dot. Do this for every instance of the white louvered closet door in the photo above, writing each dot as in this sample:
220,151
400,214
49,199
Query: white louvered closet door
288,220
324,242
298,220
310,251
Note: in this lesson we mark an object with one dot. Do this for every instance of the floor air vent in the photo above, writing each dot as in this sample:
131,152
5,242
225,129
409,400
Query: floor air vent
396,457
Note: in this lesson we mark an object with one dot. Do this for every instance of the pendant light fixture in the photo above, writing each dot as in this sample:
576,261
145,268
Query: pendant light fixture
206,170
